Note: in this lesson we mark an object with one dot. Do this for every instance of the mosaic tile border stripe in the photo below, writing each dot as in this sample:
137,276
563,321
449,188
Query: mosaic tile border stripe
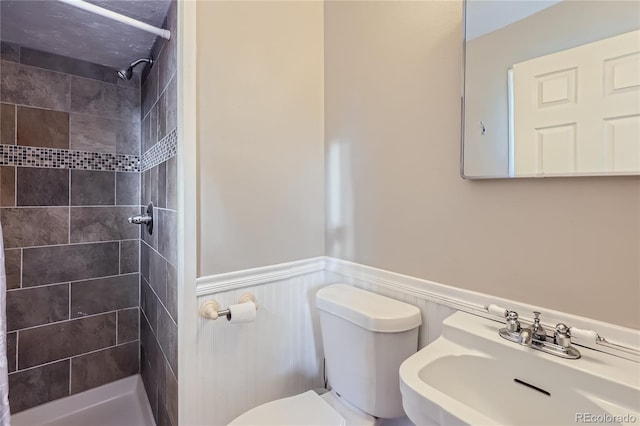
53,158
166,148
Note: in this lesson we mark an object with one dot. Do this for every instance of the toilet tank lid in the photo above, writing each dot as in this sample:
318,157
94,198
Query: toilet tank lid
368,310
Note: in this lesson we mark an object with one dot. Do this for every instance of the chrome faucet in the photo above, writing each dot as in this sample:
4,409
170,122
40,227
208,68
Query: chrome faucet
535,336
536,328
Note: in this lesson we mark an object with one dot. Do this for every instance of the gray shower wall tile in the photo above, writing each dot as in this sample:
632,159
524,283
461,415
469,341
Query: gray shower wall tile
150,129
172,183
171,397
163,416
98,368
128,325
64,274
104,99
153,354
99,134
13,267
22,227
9,52
168,57
161,380
171,303
128,189
65,339
149,305
92,133
20,84
145,255
42,127
47,265
167,235
149,186
158,275
7,124
129,251
168,338
67,65
91,224
7,186
161,182
149,381
38,385
29,307
167,110
104,295
149,91
42,187
12,350
128,136
92,188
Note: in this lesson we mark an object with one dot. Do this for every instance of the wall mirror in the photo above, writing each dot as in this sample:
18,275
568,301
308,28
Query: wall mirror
551,88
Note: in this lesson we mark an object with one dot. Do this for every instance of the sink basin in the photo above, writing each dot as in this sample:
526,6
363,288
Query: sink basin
470,375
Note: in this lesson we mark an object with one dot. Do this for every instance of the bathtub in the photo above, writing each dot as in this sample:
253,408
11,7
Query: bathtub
120,403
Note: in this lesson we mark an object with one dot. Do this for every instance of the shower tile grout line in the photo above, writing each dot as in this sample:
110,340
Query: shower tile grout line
71,244
72,282
68,112
93,206
72,319
69,358
154,334
159,300
66,74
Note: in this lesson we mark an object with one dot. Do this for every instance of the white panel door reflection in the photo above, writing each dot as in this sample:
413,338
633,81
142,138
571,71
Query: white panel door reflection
578,111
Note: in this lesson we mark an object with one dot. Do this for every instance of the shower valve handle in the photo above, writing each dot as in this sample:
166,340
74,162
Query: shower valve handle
140,219
144,219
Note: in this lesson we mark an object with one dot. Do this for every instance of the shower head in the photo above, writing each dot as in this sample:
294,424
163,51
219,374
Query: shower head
125,74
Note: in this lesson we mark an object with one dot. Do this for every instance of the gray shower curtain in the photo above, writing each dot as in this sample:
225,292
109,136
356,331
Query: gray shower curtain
5,416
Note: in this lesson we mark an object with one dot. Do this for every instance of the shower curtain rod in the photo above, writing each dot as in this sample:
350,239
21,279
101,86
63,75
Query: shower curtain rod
166,34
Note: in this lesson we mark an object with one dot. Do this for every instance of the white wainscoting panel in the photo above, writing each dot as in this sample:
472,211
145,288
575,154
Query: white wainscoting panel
240,366
279,355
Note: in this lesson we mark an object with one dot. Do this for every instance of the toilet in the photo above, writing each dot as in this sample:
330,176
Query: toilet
366,337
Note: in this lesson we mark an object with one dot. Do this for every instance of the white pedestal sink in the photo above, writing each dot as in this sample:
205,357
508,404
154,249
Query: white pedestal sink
470,375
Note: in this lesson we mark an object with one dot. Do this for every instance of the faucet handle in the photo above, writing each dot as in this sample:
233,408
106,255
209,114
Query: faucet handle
513,325
563,336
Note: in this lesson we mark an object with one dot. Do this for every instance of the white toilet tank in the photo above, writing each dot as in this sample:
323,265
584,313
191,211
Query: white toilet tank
366,337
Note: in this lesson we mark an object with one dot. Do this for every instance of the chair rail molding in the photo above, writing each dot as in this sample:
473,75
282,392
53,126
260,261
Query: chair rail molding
219,283
453,297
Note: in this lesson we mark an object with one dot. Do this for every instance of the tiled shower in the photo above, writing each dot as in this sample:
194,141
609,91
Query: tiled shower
90,298
158,251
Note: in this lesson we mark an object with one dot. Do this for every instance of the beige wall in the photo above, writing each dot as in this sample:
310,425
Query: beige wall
260,133
395,198
567,24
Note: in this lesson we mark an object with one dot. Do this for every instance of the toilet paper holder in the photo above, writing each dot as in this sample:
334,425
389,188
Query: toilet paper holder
211,309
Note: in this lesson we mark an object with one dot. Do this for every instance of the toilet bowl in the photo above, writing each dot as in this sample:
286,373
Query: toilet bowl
365,337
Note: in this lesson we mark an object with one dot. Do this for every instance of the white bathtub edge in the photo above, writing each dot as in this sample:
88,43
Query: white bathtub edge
63,407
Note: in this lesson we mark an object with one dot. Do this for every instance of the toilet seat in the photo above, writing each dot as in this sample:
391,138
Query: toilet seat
305,409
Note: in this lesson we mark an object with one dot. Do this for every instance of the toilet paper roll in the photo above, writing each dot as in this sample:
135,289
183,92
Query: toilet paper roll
242,312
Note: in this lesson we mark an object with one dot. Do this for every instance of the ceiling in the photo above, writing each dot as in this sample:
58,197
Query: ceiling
55,27
485,16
